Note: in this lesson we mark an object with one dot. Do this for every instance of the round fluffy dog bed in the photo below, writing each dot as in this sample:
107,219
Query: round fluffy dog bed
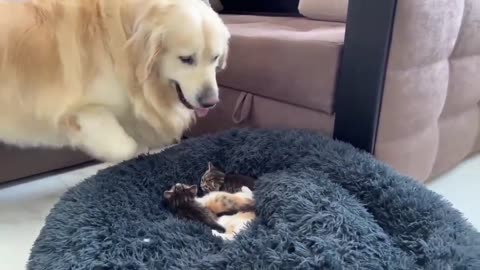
321,205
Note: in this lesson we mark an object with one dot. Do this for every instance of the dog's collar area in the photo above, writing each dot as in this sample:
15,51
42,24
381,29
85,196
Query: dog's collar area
180,95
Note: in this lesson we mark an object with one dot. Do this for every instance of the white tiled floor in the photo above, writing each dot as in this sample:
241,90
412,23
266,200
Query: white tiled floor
461,187
24,206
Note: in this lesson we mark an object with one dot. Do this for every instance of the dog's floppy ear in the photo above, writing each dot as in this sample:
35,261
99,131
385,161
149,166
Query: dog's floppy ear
146,48
146,43
222,62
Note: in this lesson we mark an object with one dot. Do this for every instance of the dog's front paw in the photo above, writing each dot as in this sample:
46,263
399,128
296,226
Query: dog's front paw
125,148
142,150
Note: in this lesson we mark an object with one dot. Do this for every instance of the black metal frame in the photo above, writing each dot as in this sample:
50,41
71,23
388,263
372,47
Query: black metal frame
362,72
271,7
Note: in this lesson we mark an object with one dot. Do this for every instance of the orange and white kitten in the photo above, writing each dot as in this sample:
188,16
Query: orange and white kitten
224,203
241,204
233,224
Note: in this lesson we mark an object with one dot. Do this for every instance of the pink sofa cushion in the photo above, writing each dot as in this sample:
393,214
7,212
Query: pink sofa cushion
294,60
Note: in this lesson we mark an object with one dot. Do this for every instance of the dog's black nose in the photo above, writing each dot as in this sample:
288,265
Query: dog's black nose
208,98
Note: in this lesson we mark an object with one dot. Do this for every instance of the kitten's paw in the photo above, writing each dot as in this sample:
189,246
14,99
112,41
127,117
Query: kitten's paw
216,233
246,189
246,192
228,237
224,236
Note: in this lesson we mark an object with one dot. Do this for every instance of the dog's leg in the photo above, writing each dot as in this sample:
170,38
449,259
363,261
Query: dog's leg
96,130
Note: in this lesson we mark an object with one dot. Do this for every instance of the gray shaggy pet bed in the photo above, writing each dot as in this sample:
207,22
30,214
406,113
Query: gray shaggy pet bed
321,205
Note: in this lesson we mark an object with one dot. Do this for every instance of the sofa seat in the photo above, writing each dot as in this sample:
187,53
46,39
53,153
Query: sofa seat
288,59
241,109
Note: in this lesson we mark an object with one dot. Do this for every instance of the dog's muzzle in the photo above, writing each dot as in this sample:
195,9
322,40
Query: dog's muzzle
200,112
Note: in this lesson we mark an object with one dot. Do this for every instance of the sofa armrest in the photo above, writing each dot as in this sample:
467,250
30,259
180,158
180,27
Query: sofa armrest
430,119
408,84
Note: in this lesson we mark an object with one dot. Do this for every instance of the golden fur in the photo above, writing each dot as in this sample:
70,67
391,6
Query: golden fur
97,74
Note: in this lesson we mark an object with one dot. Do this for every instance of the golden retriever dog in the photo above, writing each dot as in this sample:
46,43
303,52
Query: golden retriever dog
109,77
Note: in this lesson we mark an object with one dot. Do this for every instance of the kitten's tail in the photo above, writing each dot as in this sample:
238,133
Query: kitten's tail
247,207
244,208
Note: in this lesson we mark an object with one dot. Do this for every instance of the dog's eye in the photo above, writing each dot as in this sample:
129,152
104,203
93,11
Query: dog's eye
187,60
215,58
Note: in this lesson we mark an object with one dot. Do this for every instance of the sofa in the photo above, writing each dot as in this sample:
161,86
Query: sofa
397,78
16,163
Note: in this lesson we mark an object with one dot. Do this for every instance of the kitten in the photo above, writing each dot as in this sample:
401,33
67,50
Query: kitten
216,180
235,223
182,200
224,203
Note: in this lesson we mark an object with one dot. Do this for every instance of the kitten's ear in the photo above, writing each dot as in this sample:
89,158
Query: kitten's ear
210,165
168,194
193,189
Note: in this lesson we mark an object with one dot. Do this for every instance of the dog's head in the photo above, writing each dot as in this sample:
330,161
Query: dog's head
182,44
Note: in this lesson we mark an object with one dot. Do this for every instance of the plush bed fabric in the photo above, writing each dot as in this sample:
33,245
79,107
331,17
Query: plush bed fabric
321,204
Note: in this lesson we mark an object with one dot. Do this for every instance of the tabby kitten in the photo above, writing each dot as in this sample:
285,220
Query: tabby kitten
181,200
216,180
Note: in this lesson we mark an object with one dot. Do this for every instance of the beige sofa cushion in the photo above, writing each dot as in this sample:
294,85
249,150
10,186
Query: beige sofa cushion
325,10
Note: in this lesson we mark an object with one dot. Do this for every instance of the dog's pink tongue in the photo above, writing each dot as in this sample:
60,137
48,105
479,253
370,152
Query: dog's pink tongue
201,112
